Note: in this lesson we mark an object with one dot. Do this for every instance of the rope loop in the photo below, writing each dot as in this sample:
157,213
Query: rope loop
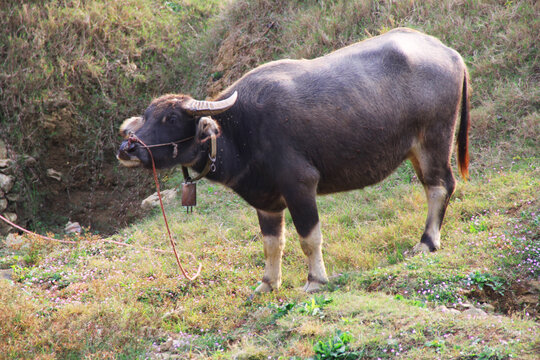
191,278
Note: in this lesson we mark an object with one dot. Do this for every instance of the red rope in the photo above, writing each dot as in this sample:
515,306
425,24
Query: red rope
75,242
34,234
135,139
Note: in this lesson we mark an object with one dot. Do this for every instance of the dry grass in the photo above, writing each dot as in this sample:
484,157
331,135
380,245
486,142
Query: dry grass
497,39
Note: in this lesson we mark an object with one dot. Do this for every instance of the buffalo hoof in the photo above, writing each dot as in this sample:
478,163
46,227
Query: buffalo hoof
313,287
418,249
263,288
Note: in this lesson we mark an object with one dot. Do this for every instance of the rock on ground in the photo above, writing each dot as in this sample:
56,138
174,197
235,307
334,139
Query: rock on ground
153,200
474,312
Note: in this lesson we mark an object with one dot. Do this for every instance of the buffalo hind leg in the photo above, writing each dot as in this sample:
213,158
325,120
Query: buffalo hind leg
303,208
273,231
438,197
439,184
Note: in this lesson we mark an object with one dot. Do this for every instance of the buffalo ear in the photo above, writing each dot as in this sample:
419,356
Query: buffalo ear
206,128
130,126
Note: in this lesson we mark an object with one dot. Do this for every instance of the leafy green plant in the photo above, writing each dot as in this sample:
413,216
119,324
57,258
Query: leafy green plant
20,273
477,225
314,306
496,283
487,353
337,347
32,257
439,345
283,310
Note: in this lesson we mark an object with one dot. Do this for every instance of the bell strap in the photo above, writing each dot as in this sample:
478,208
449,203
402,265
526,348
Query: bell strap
210,164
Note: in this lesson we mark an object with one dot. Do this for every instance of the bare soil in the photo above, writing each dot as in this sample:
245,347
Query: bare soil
522,297
102,201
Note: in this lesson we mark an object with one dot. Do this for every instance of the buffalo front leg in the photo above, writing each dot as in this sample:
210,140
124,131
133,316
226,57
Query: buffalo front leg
303,208
273,231
312,248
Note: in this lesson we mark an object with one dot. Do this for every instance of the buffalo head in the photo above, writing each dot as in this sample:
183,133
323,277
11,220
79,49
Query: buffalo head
174,127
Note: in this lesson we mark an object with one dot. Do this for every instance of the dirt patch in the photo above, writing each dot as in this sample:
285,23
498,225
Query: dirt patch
521,297
104,201
101,209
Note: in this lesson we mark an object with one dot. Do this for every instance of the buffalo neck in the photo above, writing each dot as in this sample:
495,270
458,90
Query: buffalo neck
230,158
223,165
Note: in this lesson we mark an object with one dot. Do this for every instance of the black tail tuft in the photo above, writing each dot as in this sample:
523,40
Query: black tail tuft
463,132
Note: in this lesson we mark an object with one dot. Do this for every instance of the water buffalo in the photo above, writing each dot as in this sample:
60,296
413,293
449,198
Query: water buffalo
291,129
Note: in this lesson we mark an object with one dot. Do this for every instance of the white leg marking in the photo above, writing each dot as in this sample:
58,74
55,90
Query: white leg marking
436,196
273,249
312,247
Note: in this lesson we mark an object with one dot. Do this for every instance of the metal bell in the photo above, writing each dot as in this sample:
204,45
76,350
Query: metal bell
189,195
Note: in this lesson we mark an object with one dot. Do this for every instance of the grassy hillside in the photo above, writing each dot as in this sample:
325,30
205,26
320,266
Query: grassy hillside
497,39
100,300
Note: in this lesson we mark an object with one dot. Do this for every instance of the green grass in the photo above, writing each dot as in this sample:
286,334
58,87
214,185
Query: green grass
121,300
100,300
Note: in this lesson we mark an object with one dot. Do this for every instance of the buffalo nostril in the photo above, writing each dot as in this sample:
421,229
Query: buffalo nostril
125,148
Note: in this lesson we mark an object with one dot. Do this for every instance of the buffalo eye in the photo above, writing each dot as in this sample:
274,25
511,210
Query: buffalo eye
171,119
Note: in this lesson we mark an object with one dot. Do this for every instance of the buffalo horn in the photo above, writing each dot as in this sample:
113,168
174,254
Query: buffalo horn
131,125
209,108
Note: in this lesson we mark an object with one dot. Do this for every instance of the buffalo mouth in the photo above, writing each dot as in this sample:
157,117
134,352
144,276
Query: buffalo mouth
130,163
126,159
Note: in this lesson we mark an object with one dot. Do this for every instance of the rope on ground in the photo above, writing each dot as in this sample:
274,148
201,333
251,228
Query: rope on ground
79,242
